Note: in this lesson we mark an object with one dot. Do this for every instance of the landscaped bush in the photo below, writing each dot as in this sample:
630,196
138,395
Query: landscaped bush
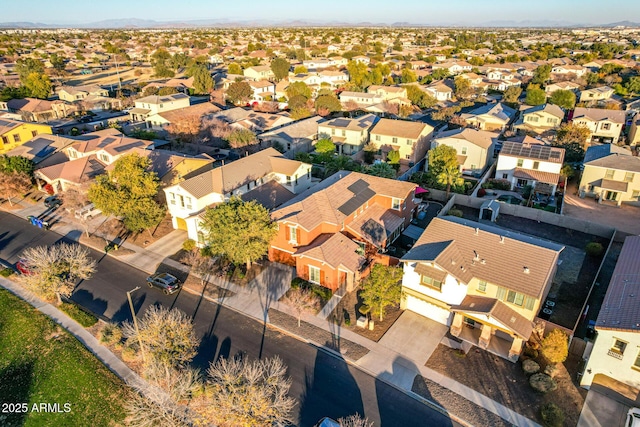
110,334
498,184
552,415
530,367
129,354
482,192
594,249
77,314
542,383
6,272
189,245
531,352
455,212
550,370
322,292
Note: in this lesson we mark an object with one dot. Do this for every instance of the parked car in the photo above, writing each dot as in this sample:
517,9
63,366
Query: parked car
87,212
52,202
165,281
327,422
633,418
23,267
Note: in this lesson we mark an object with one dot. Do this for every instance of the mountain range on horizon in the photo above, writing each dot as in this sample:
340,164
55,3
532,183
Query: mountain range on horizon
135,23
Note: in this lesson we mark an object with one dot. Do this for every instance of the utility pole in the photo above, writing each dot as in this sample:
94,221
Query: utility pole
135,321
115,59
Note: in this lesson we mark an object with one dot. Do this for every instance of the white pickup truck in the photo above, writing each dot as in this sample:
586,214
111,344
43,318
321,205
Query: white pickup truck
87,212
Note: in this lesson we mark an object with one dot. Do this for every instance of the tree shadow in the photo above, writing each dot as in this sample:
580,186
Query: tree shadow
84,298
16,381
330,391
124,312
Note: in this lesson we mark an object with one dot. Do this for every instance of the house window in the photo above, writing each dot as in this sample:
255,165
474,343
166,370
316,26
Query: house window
344,132
551,120
16,137
520,162
409,142
618,346
606,126
628,177
188,202
432,283
505,176
333,131
482,286
609,174
536,165
201,237
293,235
529,302
636,364
407,156
161,105
377,137
72,154
395,203
635,194
104,158
314,274
515,298
34,133
464,151
394,140
173,198
533,119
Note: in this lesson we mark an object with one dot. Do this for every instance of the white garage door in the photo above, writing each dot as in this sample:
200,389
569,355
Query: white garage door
429,310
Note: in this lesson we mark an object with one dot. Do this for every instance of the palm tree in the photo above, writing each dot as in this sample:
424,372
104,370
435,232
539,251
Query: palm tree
450,176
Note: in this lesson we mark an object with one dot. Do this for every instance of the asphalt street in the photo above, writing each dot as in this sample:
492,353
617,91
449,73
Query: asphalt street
322,384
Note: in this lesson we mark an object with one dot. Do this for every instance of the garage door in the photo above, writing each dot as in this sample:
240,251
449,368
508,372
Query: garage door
428,310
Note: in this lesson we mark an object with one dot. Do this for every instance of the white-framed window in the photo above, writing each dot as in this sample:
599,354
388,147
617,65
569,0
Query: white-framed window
464,151
536,165
314,274
396,203
520,162
293,234
432,283
377,137
610,173
636,364
628,177
505,176
618,346
173,198
606,126
482,286
635,194
188,200
409,142
394,140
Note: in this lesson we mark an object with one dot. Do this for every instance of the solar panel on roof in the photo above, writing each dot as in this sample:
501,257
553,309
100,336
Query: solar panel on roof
358,186
360,196
340,123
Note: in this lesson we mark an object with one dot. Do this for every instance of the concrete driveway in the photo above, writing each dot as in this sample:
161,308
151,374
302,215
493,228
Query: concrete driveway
414,336
601,409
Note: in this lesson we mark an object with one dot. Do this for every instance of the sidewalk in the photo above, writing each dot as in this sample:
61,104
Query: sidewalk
260,295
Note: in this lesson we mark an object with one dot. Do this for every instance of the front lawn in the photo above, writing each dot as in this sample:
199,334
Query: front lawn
41,363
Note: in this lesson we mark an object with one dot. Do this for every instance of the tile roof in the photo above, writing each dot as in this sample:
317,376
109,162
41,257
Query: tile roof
536,175
477,137
336,249
357,124
598,114
76,171
306,128
197,110
270,195
610,184
620,308
497,310
468,249
400,128
552,109
499,111
376,224
322,203
598,151
623,162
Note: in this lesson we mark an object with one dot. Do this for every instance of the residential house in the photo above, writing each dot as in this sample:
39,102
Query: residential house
611,173
265,176
596,94
616,351
41,147
333,78
539,119
72,173
259,72
394,94
14,133
525,164
191,114
40,110
577,70
333,231
263,90
453,67
485,282
604,125
294,137
154,104
552,87
361,99
490,117
362,59
634,132
78,93
411,139
475,148
349,135
439,90
181,85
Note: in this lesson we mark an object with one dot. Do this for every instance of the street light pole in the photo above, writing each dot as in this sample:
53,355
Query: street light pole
135,321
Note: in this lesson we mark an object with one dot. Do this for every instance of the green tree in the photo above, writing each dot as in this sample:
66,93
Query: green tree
38,85
298,113
20,164
280,68
573,139
202,80
555,347
383,170
541,75
439,74
300,69
408,76
450,176
563,98
326,104
419,97
27,66
234,68
463,89
441,158
239,230
160,61
239,138
57,61
393,157
535,95
325,146
512,94
129,191
633,85
381,289
239,92
358,74
298,89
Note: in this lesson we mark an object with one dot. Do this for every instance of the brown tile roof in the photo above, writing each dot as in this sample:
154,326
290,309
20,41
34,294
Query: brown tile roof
467,249
337,250
399,128
7,125
598,114
376,224
323,202
270,195
434,273
617,161
76,171
546,177
620,309
477,137
610,184
197,110
497,310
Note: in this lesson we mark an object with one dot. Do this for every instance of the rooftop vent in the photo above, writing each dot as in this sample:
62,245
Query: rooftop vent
526,270
501,239
477,230
476,257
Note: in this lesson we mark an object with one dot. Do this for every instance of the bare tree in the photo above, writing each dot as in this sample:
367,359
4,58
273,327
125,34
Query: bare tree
202,266
354,421
186,129
167,335
55,269
243,393
14,184
302,301
216,129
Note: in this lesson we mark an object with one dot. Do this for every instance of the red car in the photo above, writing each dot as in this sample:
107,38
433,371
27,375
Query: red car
23,268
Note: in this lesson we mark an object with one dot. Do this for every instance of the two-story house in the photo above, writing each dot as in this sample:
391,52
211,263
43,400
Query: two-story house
154,104
604,125
475,148
263,90
265,176
525,164
349,135
78,93
390,93
195,113
361,99
611,174
331,232
539,119
439,90
485,282
259,72
411,139
616,350
552,87
295,137
596,94
40,110
14,133
490,117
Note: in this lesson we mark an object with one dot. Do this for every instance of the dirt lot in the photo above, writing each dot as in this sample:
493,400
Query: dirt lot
348,308
506,383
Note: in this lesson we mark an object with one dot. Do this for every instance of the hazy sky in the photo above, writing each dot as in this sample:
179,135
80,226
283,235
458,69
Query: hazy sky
466,12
